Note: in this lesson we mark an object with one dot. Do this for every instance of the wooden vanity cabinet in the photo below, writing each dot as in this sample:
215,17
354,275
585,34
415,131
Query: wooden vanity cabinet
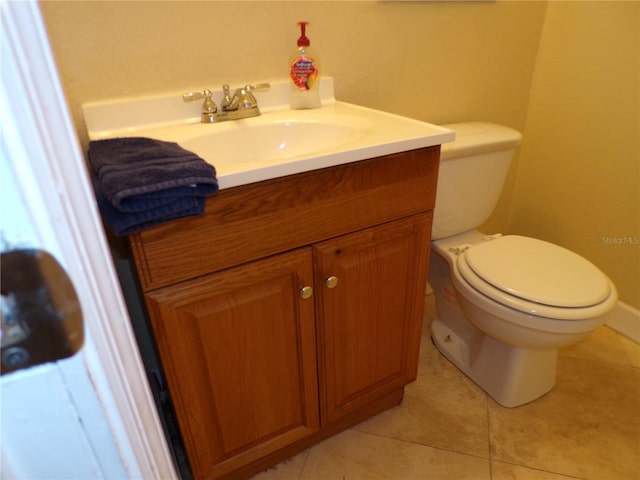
294,309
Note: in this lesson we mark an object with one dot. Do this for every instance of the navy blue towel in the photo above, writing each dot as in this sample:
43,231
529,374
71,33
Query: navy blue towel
124,223
140,182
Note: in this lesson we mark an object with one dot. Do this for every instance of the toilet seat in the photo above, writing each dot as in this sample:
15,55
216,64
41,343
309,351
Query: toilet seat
508,270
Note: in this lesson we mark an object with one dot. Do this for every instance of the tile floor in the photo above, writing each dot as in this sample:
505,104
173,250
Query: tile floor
587,427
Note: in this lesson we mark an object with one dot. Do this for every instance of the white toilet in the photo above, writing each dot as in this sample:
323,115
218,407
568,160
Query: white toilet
506,304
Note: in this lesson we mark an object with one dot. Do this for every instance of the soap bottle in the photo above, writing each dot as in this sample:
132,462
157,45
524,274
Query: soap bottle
304,74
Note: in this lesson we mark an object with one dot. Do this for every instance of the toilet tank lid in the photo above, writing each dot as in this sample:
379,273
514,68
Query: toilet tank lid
479,137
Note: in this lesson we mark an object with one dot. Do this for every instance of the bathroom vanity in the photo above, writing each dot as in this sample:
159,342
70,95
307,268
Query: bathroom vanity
292,309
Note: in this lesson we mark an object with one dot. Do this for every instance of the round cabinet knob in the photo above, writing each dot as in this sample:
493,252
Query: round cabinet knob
331,282
306,292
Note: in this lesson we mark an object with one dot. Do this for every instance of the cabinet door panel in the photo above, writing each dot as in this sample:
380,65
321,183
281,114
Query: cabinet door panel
239,350
370,322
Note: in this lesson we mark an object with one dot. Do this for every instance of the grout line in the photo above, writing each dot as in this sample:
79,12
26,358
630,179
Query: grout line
307,452
542,471
441,449
486,404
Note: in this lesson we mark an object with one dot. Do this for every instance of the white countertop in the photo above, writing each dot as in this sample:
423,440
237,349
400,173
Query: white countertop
279,142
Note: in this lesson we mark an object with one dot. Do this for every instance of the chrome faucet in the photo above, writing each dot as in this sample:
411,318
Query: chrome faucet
242,104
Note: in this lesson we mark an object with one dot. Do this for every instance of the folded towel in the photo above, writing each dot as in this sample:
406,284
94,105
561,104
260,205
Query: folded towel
139,173
141,182
125,223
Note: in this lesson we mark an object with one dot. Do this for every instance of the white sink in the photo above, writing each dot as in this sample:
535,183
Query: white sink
267,142
279,142
277,136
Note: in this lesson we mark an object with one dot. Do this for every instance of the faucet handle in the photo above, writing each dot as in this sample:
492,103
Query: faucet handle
245,96
190,96
208,106
260,87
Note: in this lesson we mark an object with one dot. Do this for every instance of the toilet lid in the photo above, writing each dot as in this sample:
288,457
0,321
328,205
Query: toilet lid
536,271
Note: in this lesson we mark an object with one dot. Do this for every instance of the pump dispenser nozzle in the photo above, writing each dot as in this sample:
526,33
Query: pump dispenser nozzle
303,41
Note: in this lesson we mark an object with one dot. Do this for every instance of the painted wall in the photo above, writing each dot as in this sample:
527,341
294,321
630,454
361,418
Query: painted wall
578,183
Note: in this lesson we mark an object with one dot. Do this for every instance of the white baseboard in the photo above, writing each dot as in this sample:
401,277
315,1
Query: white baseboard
625,319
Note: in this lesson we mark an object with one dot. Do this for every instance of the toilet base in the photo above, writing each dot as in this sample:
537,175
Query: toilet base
512,376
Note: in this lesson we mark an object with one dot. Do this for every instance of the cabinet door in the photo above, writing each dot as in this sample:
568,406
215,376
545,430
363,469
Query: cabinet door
239,351
371,289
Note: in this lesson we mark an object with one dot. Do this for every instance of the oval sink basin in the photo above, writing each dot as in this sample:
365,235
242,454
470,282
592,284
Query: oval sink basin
277,140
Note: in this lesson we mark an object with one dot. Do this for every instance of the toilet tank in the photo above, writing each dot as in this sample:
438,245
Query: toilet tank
472,172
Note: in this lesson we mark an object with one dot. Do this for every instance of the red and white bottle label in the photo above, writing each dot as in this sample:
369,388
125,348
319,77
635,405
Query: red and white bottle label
303,73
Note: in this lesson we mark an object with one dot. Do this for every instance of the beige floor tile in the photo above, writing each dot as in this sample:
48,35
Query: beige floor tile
588,426
354,455
505,471
290,469
604,345
442,409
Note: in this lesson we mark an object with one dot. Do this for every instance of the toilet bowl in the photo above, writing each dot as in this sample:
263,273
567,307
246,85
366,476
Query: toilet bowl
506,304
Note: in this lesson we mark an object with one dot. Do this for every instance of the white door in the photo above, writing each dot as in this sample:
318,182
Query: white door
91,415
